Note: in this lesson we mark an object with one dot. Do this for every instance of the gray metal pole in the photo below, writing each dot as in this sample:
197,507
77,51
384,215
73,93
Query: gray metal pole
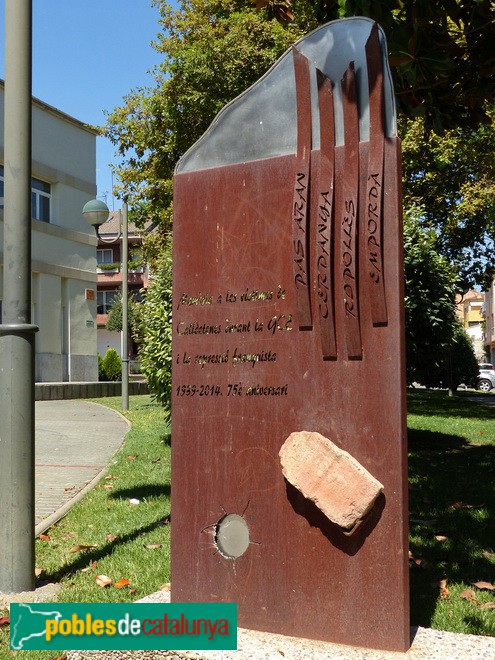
125,306
17,332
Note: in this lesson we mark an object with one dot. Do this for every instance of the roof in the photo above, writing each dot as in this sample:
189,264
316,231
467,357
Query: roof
473,295
112,226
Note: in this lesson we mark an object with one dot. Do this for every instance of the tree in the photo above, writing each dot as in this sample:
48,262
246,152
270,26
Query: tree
452,177
213,50
134,314
438,351
441,54
155,351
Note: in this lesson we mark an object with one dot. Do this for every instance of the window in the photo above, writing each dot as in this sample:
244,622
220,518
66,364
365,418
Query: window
104,301
474,324
104,256
40,198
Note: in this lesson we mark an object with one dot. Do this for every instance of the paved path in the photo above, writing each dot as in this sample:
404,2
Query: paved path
75,440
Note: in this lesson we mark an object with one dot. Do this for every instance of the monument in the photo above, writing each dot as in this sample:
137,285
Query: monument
288,414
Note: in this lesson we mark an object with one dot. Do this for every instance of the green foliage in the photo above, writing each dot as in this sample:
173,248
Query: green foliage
453,178
441,54
101,372
134,317
212,51
155,351
453,365
430,285
112,365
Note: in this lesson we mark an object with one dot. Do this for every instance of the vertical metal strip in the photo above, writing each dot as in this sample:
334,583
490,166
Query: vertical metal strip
300,225
373,212
347,218
324,219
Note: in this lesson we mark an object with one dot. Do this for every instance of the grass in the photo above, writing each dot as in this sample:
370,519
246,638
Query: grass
452,517
131,541
452,512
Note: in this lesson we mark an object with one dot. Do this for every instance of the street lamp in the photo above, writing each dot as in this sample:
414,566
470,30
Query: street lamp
96,212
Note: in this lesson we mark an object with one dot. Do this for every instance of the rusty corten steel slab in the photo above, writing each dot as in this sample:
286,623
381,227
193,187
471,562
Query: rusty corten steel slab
249,370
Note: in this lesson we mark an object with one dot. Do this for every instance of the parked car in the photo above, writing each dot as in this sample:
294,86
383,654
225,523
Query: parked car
486,380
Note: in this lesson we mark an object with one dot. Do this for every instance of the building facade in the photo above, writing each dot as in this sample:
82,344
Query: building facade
109,268
470,310
63,244
489,314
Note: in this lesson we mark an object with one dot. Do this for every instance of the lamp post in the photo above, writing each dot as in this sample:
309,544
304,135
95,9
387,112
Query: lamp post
17,331
96,212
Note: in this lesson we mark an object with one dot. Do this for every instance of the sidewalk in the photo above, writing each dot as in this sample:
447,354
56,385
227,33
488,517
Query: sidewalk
75,441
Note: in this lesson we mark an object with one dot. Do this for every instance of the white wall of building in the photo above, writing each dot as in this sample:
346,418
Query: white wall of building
64,250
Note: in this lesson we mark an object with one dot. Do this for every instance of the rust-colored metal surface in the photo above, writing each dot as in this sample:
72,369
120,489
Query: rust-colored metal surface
254,360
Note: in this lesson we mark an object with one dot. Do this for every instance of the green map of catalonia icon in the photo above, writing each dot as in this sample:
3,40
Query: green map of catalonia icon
29,622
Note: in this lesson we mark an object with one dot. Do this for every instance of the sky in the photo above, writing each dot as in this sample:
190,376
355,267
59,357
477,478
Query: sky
87,55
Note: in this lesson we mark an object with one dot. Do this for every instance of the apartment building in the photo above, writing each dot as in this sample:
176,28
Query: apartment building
63,245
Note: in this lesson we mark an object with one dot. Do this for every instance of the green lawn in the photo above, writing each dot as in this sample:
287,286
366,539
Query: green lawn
452,512
452,517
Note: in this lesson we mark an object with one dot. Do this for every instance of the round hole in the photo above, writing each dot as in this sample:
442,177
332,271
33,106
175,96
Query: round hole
232,536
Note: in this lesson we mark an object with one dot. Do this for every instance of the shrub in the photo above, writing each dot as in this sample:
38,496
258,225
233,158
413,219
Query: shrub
112,365
155,352
101,371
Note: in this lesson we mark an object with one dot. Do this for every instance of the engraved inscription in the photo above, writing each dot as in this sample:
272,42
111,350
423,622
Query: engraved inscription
299,233
373,226
323,251
201,299
233,357
348,258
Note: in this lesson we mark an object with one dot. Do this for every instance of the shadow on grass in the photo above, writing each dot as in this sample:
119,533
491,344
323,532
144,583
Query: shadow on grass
84,558
451,497
141,492
432,403
166,439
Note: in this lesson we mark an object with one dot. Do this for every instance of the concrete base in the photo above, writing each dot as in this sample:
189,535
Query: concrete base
427,644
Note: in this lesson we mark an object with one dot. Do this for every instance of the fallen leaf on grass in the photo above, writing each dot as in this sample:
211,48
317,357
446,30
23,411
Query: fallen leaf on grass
38,571
165,587
79,548
444,592
4,620
108,486
489,555
93,565
133,501
132,591
111,537
483,585
462,505
103,581
45,537
469,595
60,657
132,457
418,561
120,584
488,606
439,537
153,546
